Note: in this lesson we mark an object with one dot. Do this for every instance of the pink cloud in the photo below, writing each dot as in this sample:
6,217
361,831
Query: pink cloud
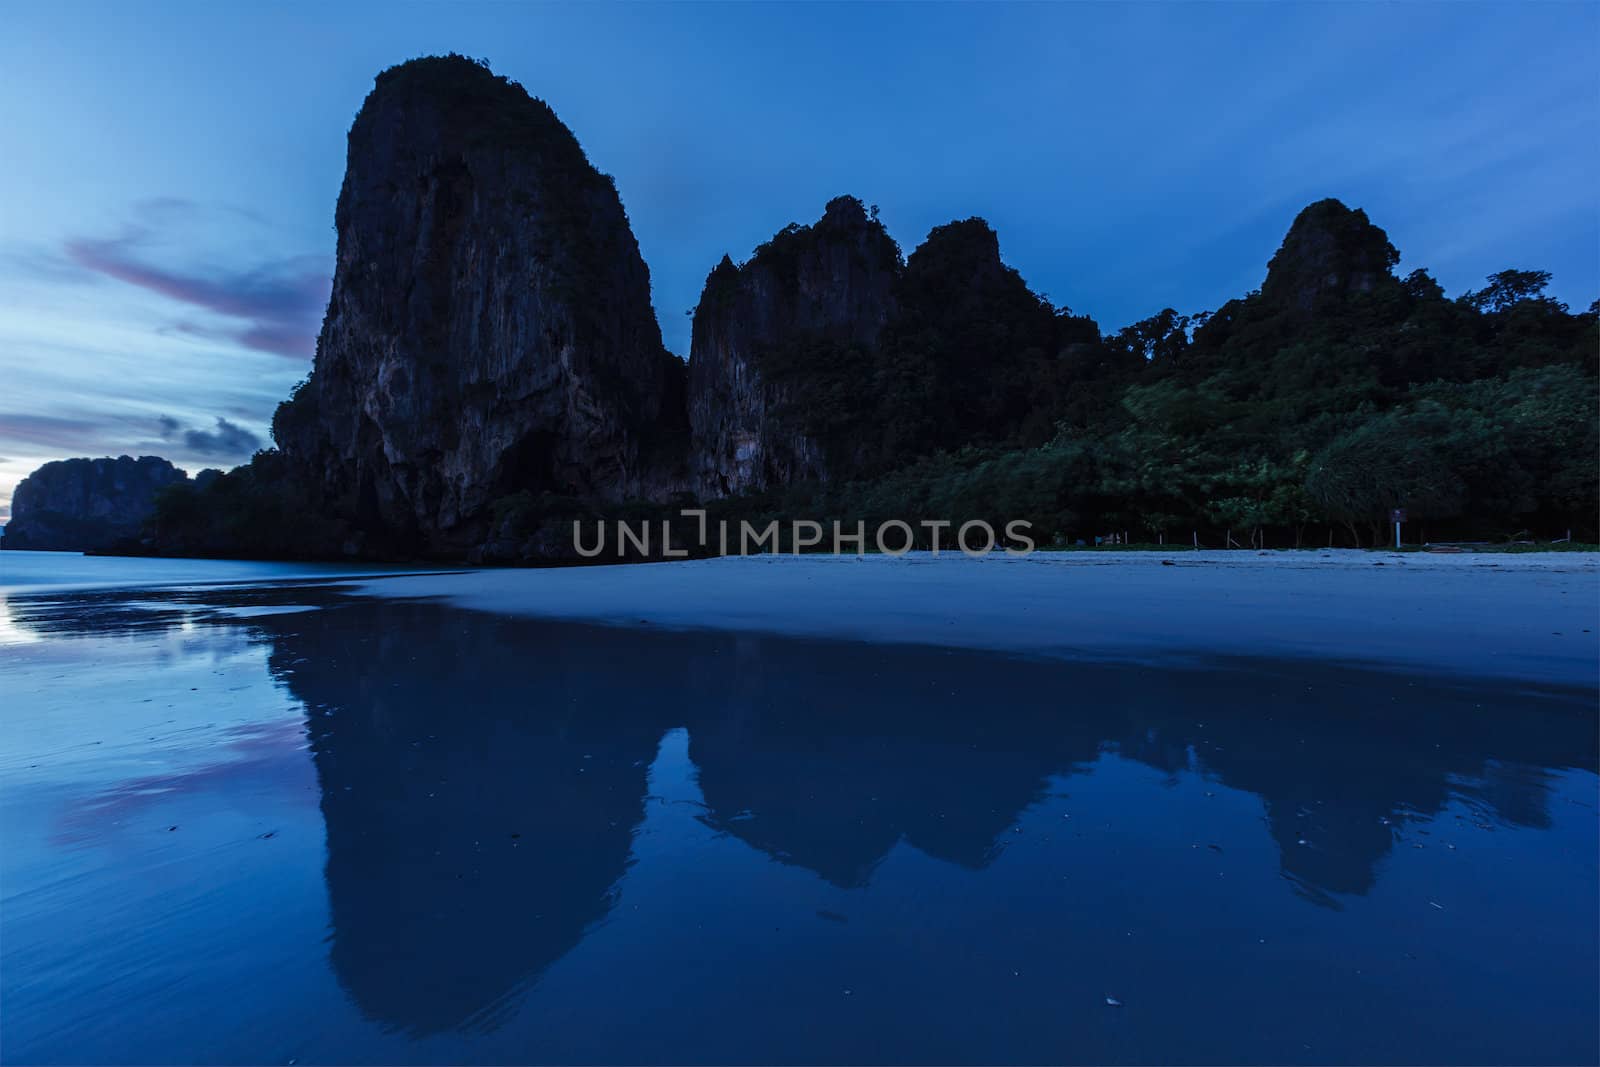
280,304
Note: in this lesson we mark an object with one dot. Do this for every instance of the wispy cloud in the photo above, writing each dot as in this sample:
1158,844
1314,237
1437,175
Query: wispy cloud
167,308
91,435
49,431
279,305
228,441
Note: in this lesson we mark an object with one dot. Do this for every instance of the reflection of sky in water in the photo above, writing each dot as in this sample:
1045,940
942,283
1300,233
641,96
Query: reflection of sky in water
274,823
10,632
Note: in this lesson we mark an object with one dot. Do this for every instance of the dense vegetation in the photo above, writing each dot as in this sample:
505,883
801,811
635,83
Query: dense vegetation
256,511
1298,414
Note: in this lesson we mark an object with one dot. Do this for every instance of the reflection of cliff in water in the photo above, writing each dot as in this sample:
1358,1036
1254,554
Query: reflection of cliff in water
480,791
828,758
482,777
1344,759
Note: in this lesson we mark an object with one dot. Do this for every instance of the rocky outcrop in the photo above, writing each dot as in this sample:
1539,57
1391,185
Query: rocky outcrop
82,505
490,328
973,351
1330,251
766,335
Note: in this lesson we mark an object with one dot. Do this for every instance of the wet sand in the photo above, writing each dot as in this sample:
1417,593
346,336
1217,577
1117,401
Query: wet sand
1526,616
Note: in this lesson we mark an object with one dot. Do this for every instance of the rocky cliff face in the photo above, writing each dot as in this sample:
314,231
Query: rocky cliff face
490,328
81,505
972,353
1330,251
812,295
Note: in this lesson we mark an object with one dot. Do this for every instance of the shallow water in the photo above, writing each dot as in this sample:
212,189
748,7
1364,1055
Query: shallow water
286,823
28,571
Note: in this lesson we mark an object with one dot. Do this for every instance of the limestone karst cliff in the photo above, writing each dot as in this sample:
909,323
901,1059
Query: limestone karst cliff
824,356
81,505
1330,251
972,355
490,328
764,333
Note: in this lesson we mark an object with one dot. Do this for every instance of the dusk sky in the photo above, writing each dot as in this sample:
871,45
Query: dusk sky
168,172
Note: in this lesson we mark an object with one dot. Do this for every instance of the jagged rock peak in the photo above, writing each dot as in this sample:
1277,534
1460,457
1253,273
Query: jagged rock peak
961,253
844,212
81,505
481,103
490,329
974,235
845,231
1329,251
810,290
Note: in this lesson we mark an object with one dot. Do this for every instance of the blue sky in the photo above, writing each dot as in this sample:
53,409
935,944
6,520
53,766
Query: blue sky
168,171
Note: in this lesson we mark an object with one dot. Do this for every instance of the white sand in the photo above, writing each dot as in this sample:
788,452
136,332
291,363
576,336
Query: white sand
1530,616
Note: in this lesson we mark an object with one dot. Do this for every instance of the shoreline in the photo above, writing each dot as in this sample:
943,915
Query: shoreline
1523,616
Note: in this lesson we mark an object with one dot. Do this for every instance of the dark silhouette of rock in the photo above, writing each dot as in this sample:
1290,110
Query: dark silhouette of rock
490,327
972,356
1330,251
812,293
825,357
82,505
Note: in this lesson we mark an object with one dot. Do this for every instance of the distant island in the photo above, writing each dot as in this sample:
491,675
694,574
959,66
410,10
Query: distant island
490,369
87,505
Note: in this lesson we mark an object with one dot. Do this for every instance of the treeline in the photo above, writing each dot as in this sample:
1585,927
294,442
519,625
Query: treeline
1493,459
255,511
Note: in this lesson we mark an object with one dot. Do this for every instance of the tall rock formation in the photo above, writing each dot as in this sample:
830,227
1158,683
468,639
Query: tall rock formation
490,329
1330,251
774,337
971,354
1330,254
82,505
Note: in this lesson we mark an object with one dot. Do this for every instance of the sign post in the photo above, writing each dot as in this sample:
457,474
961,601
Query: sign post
1397,516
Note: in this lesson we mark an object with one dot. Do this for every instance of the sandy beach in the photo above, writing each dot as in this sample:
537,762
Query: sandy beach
1530,616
